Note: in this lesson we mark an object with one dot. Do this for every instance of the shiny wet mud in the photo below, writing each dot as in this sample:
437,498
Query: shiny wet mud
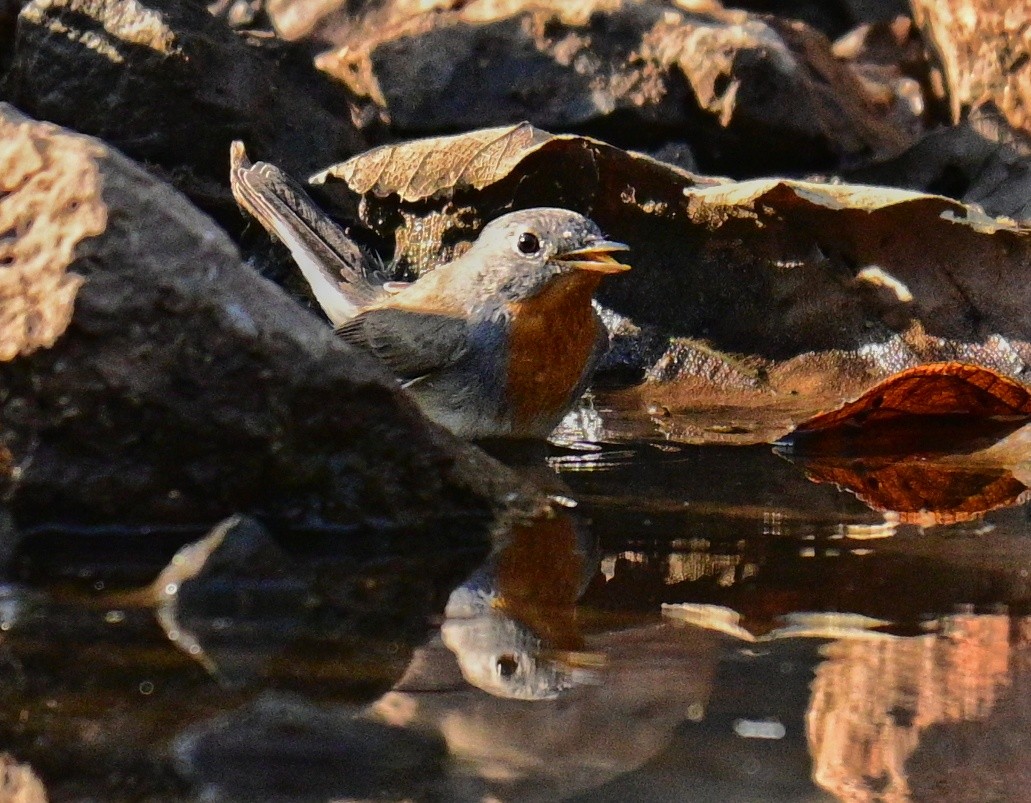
706,623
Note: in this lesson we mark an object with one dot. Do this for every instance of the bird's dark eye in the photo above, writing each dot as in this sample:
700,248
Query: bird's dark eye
507,664
528,243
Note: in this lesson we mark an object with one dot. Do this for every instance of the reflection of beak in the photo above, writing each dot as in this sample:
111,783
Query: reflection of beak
595,257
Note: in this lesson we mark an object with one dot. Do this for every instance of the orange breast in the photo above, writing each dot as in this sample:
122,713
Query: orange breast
551,339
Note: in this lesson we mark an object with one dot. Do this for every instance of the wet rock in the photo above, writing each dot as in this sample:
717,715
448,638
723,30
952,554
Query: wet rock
637,74
172,86
283,748
149,375
983,48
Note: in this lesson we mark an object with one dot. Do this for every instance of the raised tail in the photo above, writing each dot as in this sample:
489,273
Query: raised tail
332,264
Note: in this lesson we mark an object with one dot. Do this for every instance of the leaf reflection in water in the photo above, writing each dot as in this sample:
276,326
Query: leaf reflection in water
937,444
801,624
876,705
231,587
877,697
920,491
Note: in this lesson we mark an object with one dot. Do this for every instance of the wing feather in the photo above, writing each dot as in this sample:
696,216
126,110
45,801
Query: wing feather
412,344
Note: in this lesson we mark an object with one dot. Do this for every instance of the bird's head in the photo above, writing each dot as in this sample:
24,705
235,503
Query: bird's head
524,250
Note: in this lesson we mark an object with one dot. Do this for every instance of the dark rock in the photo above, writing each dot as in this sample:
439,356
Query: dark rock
831,18
866,11
678,154
981,161
283,748
8,16
9,538
636,74
148,375
172,86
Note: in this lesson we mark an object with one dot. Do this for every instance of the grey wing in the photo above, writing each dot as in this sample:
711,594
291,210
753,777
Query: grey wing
411,344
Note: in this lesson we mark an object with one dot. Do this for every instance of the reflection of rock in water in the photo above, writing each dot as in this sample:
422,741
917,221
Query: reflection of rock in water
231,587
874,701
280,747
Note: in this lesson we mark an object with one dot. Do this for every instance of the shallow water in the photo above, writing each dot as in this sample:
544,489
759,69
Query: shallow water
706,623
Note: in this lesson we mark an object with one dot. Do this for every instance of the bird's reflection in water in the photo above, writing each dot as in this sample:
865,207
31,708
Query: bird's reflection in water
512,624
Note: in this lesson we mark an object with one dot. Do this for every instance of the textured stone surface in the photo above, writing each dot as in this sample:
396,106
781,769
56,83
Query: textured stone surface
172,86
983,48
635,73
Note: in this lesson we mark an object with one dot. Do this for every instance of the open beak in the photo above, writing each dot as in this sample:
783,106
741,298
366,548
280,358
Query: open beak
596,257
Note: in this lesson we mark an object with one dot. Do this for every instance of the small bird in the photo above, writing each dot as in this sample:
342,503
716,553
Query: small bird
500,342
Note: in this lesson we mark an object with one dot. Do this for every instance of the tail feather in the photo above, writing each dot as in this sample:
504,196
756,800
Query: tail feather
332,264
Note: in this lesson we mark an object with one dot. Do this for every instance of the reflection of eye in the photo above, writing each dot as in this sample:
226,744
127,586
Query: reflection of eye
528,243
506,666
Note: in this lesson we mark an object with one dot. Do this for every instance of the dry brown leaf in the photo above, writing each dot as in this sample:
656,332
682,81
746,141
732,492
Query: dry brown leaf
924,443
812,292
949,390
419,170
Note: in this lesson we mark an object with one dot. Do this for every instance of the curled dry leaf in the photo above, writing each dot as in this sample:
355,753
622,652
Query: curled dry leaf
948,390
923,443
761,295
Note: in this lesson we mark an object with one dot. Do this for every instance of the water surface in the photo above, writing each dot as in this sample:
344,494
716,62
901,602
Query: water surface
696,623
